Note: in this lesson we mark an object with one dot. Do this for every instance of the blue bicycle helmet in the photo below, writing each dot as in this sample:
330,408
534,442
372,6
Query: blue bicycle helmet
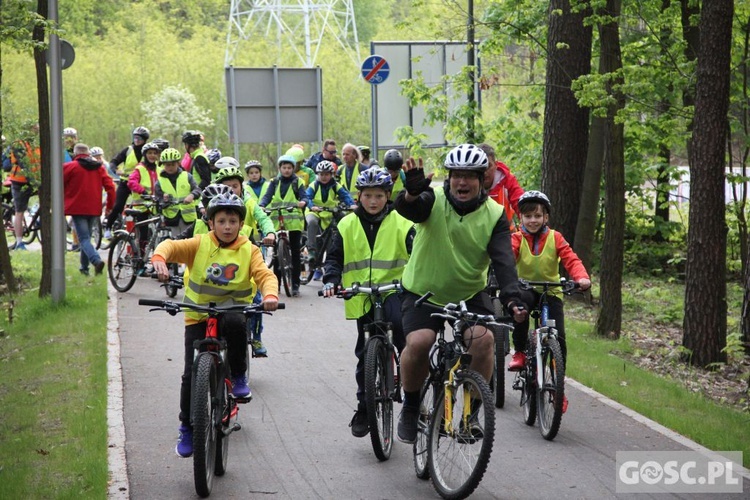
374,177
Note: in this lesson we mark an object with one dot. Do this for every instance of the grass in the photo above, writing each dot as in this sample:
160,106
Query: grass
53,388
593,361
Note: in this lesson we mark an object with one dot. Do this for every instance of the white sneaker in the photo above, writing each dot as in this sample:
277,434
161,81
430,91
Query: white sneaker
108,234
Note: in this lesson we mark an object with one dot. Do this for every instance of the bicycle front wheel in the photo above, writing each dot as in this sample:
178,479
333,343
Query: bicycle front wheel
204,424
224,410
426,410
550,395
171,289
377,397
123,263
460,442
501,333
284,263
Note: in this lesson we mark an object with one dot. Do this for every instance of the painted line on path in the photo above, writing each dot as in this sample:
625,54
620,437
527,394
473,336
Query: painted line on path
118,486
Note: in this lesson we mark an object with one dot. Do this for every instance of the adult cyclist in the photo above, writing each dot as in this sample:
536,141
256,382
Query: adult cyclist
123,164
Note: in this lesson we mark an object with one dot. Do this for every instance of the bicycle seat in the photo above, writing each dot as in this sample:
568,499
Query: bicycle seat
132,212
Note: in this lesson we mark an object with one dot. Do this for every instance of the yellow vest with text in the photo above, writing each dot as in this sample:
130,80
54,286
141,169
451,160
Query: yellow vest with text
450,256
219,275
380,266
145,181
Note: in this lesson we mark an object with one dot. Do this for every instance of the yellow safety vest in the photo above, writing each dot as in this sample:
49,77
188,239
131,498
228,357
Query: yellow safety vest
351,186
146,183
186,210
542,267
294,220
131,161
219,275
380,266
331,201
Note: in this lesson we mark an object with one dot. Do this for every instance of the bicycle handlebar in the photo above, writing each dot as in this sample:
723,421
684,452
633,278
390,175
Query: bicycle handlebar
357,289
175,307
566,286
455,312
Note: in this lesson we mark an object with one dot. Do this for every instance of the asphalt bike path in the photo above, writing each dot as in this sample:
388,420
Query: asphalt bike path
295,442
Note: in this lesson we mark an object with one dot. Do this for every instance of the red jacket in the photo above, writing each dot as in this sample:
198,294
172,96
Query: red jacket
83,181
506,191
568,257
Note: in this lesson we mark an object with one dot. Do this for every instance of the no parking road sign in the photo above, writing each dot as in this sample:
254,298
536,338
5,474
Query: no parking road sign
375,69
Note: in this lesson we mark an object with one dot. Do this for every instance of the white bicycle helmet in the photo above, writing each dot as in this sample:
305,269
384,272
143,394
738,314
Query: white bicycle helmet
70,132
325,166
467,157
97,151
227,162
534,197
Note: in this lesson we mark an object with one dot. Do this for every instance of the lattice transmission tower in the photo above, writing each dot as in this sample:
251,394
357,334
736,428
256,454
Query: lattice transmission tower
300,25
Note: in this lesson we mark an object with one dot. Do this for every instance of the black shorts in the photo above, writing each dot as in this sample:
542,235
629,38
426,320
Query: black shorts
417,318
21,195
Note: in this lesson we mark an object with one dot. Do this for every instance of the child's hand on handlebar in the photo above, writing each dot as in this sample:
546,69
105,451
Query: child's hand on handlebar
270,304
161,270
584,284
329,290
269,239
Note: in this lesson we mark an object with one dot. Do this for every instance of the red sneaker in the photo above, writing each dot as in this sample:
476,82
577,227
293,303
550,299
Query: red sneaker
565,403
517,362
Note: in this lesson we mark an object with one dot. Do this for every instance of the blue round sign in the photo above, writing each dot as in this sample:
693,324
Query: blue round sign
375,69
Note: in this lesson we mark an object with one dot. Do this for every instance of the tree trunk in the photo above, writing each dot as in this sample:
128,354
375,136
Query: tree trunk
591,191
691,35
565,122
45,285
609,322
705,324
6,268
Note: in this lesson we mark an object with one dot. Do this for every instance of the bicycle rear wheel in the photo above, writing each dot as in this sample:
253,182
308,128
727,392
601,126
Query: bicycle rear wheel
426,409
96,234
123,263
460,444
550,395
377,397
284,263
204,424
31,229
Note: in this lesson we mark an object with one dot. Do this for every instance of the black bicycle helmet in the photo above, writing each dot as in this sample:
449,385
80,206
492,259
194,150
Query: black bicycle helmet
162,143
393,159
142,132
226,202
374,177
534,197
191,138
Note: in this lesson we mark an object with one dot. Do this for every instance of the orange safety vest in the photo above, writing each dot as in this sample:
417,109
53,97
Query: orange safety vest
33,157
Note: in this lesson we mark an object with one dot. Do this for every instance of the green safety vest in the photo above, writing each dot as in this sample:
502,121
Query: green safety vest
450,256
249,191
352,185
542,267
146,183
186,210
295,220
398,186
380,266
332,201
219,275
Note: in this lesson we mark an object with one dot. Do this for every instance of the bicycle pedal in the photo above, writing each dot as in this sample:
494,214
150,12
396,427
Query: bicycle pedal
260,355
242,400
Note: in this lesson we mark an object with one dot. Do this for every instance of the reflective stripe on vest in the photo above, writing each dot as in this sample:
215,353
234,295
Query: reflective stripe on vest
542,267
380,266
185,210
219,275
450,255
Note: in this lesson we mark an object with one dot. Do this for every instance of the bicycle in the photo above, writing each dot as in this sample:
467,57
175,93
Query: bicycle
126,260
32,222
502,334
542,380
214,409
279,257
321,243
382,367
454,452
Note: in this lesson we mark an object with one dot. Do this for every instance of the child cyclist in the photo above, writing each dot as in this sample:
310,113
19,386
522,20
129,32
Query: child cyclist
371,247
175,183
256,184
539,251
323,192
288,191
243,268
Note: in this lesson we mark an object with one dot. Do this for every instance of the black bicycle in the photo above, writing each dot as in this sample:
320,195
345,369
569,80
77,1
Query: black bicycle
213,412
126,259
31,223
542,380
502,331
321,243
279,257
457,419
382,367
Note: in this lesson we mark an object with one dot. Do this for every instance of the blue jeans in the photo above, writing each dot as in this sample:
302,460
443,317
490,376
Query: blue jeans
83,225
